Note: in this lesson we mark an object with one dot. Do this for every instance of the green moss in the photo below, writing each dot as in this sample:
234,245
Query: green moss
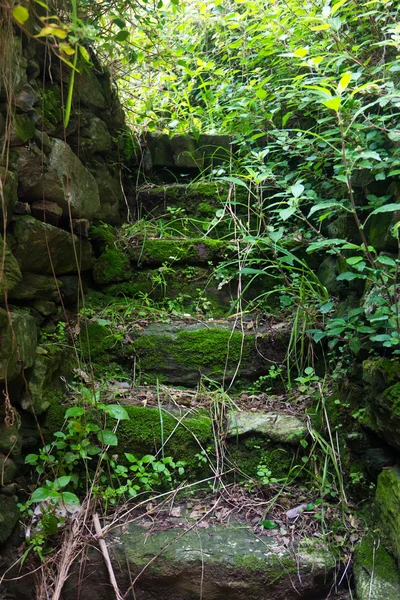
200,349
111,266
273,569
188,250
248,453
374,558
52,105
380,372
24,127
147,428
102,236
392,396
53,420
96,341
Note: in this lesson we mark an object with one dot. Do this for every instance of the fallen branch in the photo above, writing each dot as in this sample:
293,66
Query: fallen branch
106,556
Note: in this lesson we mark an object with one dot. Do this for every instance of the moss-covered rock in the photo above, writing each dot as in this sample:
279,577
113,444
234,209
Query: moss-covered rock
201,199
35,240
9,193
253,451
43,379
22,129
112,266
9,515
278,427
96,341
184,250
102,237
34,287
18,342
223,561
182,353
148,428
10,274
376,574
67,182
387,502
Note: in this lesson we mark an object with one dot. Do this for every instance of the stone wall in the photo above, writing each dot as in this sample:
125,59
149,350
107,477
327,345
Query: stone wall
54,183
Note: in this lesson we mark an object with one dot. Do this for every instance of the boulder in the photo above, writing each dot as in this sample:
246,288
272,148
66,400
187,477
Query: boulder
159,145
99,136
375,571
68,183
223,561
181,353
110,193
8,469
9,187
18,342
36,287
9,515
30,165
13,63
35,240
88,90
22,130
11,275
26,98
44,384
278,427
112,266
48,212
186,152
216,149
387,502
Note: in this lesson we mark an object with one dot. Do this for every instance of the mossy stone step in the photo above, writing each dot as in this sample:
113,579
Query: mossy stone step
200,200
190,251
219,561
182,352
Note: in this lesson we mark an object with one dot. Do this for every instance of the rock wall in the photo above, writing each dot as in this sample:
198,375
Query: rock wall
54,183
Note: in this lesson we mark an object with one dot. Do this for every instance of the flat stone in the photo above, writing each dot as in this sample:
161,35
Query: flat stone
81,227
225,561
48,212
30,164
36,287
182,352
279,427
35,239
68,183
192,251
110,192
186,152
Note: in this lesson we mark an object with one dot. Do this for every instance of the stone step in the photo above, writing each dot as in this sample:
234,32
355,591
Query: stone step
183,352
189,251
176,559
200,200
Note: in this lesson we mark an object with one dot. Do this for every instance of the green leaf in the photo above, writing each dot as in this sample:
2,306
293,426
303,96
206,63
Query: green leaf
74,411
286,213
261,93
386,260
117,412
355,345
386,208
61,482
338,5
31,459
333,103
297,189
84,53
122,35
324,206
40,494
344,82
131,457
300,52
268,524
69,498
349,276
49,523
107,437
353,260
325,308
234,180
20,14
